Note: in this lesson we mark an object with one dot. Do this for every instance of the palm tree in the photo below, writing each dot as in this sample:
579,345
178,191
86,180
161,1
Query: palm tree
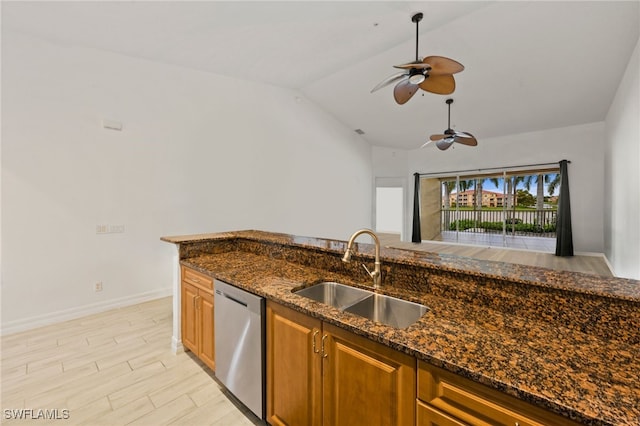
478,201
478,192
512,200
448,186
553,180
496,181
512,188
464,186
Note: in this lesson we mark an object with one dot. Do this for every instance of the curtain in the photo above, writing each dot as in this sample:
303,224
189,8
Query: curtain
415,234
564,239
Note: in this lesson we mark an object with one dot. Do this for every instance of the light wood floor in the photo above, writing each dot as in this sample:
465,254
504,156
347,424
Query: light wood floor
580,263
113,368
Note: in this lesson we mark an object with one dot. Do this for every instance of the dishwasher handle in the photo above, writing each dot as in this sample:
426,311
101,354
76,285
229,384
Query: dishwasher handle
238,301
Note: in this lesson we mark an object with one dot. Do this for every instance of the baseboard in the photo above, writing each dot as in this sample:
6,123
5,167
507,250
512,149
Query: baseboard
17,326
176,345
609,265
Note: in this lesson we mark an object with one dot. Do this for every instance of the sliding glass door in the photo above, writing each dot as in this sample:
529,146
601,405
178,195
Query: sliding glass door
501,208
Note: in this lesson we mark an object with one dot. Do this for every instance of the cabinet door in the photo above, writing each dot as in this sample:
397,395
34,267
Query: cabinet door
294,377
189,317
206,338
366,383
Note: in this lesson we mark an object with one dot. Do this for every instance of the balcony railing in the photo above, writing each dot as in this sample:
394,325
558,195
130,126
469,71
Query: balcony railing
539,223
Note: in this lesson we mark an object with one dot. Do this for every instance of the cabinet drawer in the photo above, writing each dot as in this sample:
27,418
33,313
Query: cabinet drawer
476,404
429,416
197,279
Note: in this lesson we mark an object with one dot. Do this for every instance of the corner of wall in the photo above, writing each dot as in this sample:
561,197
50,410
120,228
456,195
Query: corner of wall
622,155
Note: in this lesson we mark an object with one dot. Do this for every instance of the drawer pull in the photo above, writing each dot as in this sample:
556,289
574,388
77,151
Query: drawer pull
315,348
324,354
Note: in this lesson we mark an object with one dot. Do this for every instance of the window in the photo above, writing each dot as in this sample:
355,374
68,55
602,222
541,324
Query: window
506,208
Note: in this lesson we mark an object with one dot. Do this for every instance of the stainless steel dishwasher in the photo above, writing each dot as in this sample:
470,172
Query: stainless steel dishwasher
239,345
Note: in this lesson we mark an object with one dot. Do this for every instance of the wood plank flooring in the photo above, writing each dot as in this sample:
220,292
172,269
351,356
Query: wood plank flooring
113,368
580,263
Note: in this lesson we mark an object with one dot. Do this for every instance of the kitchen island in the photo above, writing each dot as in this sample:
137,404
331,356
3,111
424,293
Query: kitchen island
568,343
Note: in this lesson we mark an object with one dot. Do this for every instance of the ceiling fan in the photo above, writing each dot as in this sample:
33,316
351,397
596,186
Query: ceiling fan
444,141
432,74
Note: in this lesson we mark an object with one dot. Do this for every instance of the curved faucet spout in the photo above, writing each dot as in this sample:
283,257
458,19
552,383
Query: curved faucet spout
376,273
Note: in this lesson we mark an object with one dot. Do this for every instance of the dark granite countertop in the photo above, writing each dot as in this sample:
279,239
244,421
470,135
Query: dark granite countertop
573,281
589,378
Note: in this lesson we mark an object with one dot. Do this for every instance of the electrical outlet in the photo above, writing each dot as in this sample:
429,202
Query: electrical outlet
98,286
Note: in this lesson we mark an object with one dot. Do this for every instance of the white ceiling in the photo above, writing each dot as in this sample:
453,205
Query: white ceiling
530,65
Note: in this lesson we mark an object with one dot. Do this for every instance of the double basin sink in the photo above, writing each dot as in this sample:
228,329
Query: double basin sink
376,307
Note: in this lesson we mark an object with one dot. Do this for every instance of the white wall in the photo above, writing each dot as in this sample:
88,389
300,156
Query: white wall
198,153
622,174
582,145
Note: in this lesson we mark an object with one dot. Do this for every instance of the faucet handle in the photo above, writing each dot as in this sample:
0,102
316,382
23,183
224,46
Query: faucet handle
367,269
371,274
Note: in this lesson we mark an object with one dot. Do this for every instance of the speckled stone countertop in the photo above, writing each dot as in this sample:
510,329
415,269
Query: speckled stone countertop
567,342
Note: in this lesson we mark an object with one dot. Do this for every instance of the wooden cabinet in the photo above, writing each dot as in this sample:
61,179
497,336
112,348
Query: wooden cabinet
197,315
319,374
294,367
366,383
446,399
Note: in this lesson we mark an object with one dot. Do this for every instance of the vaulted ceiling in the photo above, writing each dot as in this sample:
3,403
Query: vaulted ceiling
530,65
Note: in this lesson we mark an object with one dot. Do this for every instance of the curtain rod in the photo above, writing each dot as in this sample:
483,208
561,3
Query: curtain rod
493,168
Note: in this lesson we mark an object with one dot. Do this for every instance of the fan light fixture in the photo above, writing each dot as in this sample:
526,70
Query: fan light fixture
449,136
417,78
432,74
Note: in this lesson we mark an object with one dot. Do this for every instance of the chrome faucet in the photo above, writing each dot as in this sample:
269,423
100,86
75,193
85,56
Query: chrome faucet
375,274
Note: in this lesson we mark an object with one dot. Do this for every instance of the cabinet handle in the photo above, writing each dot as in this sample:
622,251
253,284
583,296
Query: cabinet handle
324,354
195,280
315,348
194,302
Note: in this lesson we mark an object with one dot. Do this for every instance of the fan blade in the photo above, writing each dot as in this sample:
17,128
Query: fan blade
466,139
404,91
425,144
437,137
387,81
443,144
441,65
439,84
416,65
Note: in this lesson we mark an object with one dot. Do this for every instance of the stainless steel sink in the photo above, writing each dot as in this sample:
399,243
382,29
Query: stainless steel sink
376,307
335,294
388,310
